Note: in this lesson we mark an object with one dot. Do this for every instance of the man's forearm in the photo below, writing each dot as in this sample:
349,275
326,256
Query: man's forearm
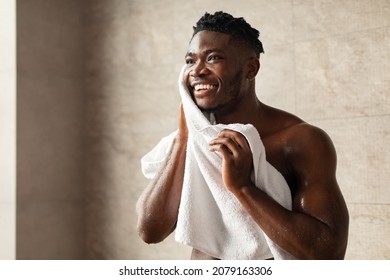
157,208
295,232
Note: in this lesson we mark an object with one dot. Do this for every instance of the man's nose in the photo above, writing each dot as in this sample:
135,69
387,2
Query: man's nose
199,69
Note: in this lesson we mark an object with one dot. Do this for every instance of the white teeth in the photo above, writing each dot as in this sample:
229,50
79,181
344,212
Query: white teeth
203,86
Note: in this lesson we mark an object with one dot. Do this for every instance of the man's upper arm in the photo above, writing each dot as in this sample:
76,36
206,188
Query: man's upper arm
317,193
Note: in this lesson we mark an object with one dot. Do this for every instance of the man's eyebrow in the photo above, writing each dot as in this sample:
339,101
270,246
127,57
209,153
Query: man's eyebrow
190,53
213,50
207,51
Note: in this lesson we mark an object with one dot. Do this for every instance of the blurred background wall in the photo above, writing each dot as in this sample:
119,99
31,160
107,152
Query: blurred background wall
96,90
50,130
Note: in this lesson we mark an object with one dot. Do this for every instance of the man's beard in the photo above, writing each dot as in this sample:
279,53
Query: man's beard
231,96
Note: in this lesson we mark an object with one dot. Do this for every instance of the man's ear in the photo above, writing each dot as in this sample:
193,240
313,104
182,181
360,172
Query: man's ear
253,66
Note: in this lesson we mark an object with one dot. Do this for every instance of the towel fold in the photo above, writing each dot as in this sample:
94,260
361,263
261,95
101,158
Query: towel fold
210,217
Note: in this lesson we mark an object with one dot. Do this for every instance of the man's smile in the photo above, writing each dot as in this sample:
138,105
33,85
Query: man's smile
204,87
203,90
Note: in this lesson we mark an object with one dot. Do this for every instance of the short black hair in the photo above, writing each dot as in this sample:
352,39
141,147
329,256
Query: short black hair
238,28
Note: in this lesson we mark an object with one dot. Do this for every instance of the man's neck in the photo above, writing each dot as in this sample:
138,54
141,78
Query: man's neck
246,111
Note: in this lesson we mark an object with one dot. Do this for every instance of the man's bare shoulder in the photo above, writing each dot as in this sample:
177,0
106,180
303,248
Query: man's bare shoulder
308,149
278,121
294,128
297,137
302,152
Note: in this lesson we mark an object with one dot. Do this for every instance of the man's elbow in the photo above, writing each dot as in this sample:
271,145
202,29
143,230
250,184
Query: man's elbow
151,232
152,229
149,236
143,225
332,250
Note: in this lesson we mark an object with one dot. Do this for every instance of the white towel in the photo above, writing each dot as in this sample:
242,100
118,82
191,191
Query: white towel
210,218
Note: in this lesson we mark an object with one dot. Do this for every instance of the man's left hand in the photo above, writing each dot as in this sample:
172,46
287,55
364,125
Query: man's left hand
237,163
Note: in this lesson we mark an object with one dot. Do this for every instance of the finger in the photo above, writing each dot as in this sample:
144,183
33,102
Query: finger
222,150
236,137
227,143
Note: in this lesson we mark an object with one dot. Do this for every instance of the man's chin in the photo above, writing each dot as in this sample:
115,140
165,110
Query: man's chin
203,106
208,108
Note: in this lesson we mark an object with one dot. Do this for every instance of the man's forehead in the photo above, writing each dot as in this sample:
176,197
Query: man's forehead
204,41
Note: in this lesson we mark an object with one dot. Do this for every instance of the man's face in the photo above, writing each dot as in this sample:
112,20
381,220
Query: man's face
214,71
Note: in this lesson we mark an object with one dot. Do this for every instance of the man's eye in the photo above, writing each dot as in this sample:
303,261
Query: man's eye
213,57
189,61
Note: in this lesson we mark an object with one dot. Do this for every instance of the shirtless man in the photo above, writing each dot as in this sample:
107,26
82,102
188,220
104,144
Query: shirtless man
317,225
